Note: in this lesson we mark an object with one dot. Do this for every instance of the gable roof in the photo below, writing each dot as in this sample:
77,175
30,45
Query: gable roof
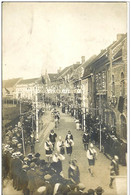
63,71
68,68
28,81
10,82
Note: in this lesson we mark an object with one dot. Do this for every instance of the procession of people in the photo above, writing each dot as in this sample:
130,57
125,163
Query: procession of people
37,176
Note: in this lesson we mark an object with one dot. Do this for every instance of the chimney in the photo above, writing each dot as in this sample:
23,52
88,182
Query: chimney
77,62
59,70
82,59
119,36
46,72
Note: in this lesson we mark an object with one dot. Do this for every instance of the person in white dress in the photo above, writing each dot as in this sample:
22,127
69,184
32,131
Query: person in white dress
60,146
48,149
69,143
91,156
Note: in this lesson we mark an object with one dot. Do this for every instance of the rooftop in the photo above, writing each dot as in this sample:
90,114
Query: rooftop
53,76
28,81
10,82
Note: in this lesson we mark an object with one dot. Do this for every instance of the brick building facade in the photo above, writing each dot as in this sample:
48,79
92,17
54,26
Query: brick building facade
105,80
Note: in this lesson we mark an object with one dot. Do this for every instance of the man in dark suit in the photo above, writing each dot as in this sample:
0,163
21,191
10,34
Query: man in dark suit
31,173
49,186
85,140
52,137
24,179
69,135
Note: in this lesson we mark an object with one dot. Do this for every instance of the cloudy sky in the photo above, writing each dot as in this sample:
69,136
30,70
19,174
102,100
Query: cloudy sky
40,36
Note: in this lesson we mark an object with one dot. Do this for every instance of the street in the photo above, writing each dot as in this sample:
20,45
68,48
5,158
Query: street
101,170
102,166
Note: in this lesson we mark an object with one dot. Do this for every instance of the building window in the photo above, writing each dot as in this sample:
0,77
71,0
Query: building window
123,127
113,119
113,86
122,85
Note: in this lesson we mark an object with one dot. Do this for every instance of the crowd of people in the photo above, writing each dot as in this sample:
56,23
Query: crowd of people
36,176
111,144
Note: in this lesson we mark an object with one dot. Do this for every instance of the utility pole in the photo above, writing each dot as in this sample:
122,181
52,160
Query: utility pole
23,142
110,58
36,103
100,117
84,110
20,106
32,122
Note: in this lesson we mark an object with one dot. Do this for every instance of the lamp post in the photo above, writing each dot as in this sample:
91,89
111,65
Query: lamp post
36,103
23,141
100,118
32,122
20,106
84,108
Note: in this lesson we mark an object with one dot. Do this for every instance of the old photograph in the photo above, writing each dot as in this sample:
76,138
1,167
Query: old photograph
64,98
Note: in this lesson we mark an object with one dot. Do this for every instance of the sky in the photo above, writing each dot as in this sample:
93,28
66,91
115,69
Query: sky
44,36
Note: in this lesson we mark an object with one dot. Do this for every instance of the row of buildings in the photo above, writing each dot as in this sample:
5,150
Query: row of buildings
97,86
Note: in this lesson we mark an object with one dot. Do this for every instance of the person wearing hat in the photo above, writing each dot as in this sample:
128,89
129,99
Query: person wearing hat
60,146
31,174
91,192
80,188
4,175
19,147
91,156
114,170
14,143
12,169
25,160
77,124
24,179
32,143
56,120
99,190
18,169
48,149
39,180
53,137
57,162
7,159
10,151
73,172
69,143
37,158
85,140
69,135
58,116
56,189
41,191
49,186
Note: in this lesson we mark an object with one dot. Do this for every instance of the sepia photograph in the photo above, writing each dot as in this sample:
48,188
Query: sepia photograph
64,98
